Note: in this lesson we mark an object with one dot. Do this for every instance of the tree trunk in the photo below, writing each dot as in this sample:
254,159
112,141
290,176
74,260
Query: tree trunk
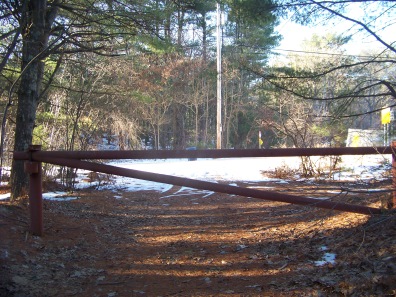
179,139
37,20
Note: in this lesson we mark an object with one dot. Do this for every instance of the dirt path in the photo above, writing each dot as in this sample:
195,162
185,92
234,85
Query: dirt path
203,244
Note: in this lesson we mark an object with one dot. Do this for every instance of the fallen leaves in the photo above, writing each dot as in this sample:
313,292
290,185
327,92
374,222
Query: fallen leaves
223,245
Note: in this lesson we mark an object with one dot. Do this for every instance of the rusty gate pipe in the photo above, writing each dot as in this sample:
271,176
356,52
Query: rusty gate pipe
33,168
204,185
225,153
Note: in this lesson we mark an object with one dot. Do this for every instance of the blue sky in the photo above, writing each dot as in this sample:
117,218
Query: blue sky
294,34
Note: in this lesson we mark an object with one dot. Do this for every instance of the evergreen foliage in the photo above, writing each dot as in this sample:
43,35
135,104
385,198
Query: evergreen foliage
142,74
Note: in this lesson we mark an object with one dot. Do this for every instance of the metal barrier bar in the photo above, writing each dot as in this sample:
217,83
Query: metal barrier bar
34,156
222,188
224,153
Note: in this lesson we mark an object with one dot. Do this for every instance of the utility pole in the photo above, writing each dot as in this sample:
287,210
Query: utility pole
219,37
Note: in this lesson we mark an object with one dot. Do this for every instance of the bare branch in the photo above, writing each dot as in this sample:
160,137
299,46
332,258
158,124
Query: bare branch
10,49
364,26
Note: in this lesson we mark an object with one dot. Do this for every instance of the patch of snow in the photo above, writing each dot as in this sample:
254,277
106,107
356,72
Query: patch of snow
334,192
5,196
328,258
260,187
248,170
185,191
58,196
282,182
167,188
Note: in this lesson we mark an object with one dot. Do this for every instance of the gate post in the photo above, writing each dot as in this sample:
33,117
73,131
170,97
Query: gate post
33,168
394,173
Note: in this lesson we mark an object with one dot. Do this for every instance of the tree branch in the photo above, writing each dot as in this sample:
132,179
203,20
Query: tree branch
364,26
10,49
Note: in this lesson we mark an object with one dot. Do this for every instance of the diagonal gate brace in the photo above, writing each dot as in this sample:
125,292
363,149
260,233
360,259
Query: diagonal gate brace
204,185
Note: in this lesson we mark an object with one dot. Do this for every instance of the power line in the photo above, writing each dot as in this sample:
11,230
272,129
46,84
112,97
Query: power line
321,53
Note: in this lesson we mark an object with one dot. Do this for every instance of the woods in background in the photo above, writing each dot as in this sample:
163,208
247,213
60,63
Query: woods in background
142,74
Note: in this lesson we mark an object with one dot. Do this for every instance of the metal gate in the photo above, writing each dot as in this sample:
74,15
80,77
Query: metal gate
77,159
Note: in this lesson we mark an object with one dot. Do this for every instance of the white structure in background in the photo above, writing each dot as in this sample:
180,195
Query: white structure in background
360,137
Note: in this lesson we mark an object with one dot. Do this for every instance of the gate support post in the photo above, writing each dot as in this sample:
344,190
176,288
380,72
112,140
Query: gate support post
394,173
33,168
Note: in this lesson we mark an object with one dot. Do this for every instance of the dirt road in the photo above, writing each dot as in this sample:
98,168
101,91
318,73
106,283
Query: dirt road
168,244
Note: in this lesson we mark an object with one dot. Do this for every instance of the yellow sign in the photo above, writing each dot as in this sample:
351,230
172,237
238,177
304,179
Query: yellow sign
355,140
385,116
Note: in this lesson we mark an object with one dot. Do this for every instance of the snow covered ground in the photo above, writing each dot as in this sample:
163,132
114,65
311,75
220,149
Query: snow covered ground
239,169
233,169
